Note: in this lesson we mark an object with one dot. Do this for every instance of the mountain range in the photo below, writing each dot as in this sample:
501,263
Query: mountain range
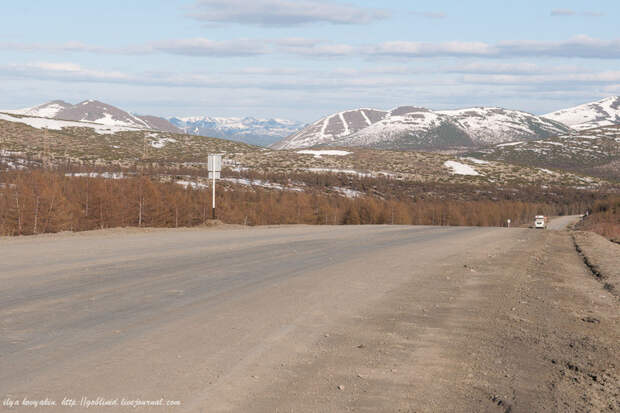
92,113
409,127
405,127
262,132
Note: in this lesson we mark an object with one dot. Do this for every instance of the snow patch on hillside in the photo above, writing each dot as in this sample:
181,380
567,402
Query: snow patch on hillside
263,184
460,168
338,171
105,175
349,193
161,142
319,154
510,144
605,112
44,111
53,124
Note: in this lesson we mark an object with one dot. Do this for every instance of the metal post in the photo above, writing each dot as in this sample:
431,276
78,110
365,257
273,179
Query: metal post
214,166
213,195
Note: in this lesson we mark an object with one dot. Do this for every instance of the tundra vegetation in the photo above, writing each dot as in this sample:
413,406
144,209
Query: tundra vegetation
40,201
76,179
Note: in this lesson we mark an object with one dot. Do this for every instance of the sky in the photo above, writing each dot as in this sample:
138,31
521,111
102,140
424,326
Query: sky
303,59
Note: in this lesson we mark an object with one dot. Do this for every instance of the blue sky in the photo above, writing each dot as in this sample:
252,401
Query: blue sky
306,58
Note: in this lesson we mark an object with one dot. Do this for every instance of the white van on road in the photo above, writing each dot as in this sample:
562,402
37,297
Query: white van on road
540,221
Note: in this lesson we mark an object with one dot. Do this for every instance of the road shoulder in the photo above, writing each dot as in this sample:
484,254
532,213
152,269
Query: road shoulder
522,328
601,256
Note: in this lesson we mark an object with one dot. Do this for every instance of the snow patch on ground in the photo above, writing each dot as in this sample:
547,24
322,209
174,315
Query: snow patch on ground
460,168
261,183
105,175
190,184
349,193
160,143
547,171
318,154
510,144
338,171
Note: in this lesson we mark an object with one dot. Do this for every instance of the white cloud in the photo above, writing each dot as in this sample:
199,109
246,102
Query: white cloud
612,89
283,12
257,79
206,47
516,68
580,46
424,49
429,14
63,71
310,47
569,13
62,47
563,12
603,77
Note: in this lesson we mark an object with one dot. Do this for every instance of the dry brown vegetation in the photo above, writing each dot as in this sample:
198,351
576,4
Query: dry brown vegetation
34,202
604,218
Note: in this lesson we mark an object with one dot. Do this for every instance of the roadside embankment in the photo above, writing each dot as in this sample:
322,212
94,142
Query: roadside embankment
601,256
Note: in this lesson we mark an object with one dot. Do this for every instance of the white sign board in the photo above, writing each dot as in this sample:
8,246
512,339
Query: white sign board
214,164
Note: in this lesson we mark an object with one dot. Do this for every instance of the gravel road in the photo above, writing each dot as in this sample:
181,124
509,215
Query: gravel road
561,223
366,318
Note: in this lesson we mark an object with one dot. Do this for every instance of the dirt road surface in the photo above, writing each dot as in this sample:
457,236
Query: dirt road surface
306,319
561,223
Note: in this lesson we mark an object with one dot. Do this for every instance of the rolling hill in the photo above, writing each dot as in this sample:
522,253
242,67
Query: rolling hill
409,127
594,152
93,111
605,112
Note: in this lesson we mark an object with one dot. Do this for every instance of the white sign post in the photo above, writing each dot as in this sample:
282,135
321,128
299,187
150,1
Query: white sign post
214,165
508,223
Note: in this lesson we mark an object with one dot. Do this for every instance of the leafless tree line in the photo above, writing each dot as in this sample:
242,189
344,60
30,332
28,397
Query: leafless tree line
33,202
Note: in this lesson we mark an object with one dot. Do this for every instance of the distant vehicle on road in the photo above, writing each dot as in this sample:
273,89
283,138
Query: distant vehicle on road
540,221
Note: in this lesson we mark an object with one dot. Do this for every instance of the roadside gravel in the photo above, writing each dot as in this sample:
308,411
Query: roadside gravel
602,256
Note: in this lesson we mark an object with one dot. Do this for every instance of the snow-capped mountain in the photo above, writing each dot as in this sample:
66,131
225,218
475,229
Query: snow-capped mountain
410,127
96,112
46,110
249,130
330,128
492,125
604,112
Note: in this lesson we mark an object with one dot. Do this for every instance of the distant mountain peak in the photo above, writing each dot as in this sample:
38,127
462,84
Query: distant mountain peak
248,129
414,127
604,112
330,128
94,111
